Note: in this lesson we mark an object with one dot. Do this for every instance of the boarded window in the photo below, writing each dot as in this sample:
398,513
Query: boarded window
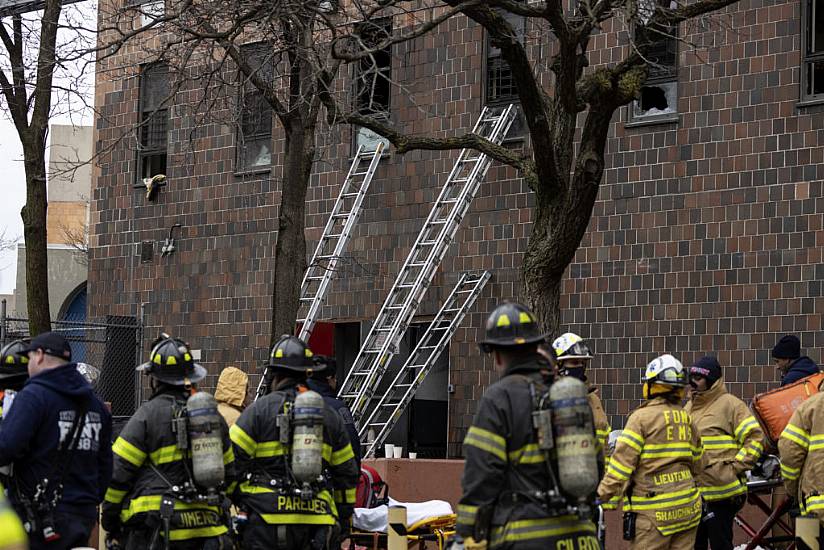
154,117
254,134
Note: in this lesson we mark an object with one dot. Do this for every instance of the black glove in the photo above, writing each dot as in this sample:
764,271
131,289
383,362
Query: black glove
110,521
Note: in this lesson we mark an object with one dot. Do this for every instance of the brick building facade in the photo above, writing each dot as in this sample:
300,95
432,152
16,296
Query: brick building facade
707,235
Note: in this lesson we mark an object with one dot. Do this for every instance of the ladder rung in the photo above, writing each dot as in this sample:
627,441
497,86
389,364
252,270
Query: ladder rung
307,299
343,215
347,195
360,173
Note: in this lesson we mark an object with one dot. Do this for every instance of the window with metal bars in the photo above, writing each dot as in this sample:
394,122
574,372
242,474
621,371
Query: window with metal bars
254,133
812,41
501,86
659,94
154,116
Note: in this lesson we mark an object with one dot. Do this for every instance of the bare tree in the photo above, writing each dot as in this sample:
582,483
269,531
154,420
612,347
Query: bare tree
40,76
567,108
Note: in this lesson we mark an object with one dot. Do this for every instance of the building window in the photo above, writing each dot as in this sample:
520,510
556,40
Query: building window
149,10
812,72
501,88
154,118
373,76
659,94
254,134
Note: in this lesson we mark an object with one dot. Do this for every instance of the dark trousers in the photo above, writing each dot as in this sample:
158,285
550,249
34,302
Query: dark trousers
259,535
715,528
74,530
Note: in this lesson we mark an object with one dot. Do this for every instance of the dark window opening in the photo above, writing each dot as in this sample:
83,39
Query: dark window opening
254,134
154,117
813,49
659,95
373,76
501,85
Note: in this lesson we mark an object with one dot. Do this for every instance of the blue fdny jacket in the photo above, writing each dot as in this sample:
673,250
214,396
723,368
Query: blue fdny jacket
328,394
800,368
41,416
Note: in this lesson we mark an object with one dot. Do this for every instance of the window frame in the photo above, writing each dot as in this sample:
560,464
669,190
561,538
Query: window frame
245,90
144,152
518,130
807,25
364,136
668,80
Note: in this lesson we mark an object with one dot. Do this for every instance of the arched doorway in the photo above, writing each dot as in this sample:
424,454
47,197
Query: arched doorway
74,311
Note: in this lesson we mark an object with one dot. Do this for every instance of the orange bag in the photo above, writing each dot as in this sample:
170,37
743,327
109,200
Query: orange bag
775,408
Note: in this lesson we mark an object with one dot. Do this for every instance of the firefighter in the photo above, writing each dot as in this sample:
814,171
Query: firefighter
14,371
732,442
506,482
154,500
656,460
325,382
573,357
12,534
284,513
801,447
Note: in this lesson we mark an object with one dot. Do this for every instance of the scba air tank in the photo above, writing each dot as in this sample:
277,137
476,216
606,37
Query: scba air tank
307,437
206,440
575,446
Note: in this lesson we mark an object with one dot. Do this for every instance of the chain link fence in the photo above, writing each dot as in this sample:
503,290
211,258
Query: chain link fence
112,345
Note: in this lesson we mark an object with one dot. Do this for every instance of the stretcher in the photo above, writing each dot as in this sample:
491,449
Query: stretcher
760,494
431,521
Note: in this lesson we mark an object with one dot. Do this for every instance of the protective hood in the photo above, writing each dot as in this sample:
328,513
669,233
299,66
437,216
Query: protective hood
701,398
64,380
231,386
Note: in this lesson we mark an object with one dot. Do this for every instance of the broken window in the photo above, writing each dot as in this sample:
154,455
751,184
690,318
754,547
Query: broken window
373,76
501,87
812,72
659,94
254,131
154,117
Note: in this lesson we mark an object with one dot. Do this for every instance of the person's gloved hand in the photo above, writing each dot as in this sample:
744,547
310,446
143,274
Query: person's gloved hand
110,521
470,543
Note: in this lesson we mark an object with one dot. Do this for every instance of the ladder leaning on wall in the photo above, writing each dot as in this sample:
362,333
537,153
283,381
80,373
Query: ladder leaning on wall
419,269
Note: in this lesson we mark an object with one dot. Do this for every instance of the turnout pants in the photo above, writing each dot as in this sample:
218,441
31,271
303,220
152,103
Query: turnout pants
648,537
715,528
259,535
140,540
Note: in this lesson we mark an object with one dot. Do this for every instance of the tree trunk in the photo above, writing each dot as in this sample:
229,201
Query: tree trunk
34,231
290,252
542,279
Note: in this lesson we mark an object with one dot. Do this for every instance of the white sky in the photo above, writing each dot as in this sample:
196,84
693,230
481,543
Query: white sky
12,173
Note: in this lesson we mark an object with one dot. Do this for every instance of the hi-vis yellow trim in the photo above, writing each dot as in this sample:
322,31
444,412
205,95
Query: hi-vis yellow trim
268,449
347,496
790,473
814,502
157,359
745,427
164,455
170,360
674,528
633,439
486,441
279,352
151,503
128,452
616,469
816,442
664,500
724,491
503,320
114,496
187,357
531,529
242,440
10,359
528,454
524,317
796,435
342,455
228,455
718,442
467,514
669,450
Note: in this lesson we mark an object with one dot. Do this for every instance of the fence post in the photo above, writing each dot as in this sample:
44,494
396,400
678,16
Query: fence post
141,324
3,321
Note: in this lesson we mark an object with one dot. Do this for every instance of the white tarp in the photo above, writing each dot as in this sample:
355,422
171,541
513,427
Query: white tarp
374,519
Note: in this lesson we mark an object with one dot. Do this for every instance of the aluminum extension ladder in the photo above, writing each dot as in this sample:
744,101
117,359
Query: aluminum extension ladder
416,274
385,414
333,241
335,237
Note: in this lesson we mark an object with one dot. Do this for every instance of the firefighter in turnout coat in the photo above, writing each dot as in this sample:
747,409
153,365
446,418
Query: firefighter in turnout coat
150,468
732,445
505,476
573,357
656,460
801,447
280,516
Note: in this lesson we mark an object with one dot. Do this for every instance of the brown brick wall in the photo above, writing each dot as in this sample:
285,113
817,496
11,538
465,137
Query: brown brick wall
707,234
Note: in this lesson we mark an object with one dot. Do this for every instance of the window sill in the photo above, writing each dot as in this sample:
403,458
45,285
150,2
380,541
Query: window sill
813,102
653,121
257,171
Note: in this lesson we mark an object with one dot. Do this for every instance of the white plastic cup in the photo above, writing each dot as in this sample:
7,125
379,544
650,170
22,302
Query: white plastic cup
398,450
413,455
388,450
